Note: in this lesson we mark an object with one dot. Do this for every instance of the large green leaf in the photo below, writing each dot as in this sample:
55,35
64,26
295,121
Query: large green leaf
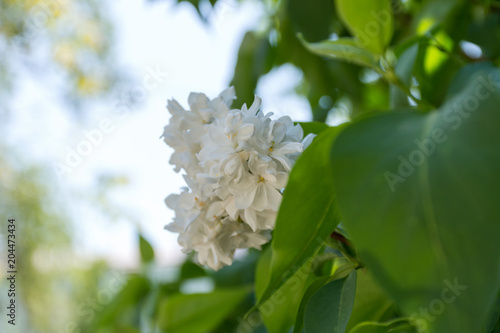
419,197
198,313
330,307
370,21
307,215
346,49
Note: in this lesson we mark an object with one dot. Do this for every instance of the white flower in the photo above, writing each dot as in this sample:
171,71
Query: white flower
229,138
260,220
259,188
237,164
205,238
215,242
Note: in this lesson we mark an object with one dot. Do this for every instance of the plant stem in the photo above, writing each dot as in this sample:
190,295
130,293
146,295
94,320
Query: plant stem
387,71
392,78
443,49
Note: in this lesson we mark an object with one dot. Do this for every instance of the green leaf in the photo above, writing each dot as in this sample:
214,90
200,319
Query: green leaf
149,307
494,317
322,77
419,197
346,49
147,252
198,313
400,325
371,302
329,308
436,68
190,270
279,312
262,272
255,58
314,127
307,215
124,305
370,21
313,18
496,329
340,273
432,14
404,71
240,273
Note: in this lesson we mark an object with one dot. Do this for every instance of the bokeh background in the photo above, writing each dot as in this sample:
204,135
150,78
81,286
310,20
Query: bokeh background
66,68
83,170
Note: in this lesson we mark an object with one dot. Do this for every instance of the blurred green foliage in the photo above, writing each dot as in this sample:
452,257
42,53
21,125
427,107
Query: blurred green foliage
51,273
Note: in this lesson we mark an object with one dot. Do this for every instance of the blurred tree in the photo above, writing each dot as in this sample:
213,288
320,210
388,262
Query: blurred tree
66,45
72,38
53,284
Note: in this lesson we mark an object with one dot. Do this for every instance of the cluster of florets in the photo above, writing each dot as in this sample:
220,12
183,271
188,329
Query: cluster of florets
237,163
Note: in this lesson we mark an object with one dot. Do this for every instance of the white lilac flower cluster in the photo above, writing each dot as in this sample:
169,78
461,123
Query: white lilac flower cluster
236,163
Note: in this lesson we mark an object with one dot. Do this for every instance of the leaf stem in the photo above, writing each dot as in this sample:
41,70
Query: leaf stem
347,249
438,45
387,72
392,78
